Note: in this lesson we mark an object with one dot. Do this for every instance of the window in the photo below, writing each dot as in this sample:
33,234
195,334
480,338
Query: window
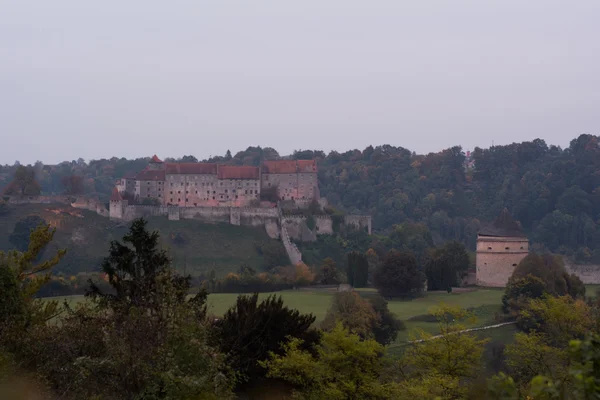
514,265
507,248
489,248
171,192
195,204
236,196
521,247
171,184
179,191
213,197
196,192
186,200
186,192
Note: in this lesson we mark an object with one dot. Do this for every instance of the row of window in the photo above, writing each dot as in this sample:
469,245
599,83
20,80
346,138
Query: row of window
507,248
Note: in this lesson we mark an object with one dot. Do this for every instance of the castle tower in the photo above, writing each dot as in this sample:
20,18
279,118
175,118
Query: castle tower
500,248
117,205
156,164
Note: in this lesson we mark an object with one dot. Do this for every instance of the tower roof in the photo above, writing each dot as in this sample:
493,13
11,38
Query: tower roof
116,196
155,159
504,226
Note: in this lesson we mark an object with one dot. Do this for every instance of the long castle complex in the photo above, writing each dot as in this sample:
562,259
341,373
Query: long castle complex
216,185
237,195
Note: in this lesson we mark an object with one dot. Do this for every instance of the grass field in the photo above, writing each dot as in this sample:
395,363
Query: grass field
485,303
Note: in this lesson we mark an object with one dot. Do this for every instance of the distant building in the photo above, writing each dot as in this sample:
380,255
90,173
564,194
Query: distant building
210,184
500,248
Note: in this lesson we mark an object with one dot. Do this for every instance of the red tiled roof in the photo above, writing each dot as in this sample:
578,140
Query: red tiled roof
235,172
150,175
155,159
116,196
192,168
307,166
290,166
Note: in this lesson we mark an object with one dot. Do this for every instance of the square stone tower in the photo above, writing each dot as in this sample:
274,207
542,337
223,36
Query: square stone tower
500,248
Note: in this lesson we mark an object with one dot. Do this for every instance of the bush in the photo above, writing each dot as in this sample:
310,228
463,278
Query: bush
399,275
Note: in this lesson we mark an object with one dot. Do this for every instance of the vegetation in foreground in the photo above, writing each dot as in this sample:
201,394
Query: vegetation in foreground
144,337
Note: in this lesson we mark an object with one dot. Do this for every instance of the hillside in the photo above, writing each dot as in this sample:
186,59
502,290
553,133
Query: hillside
553,192
197,248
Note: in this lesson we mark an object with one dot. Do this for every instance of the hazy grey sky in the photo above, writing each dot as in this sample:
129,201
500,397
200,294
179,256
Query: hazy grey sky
97,79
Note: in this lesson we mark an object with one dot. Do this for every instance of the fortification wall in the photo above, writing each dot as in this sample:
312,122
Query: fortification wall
206,214
359,221
132,212
588,273
497,258
257,216
323,225
39,199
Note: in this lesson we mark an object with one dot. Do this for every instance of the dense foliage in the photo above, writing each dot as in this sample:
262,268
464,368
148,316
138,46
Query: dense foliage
398,275
553,192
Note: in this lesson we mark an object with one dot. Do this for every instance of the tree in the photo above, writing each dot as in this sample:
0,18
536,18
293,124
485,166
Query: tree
357,269
343,367
134,269
561,319
551,270
21,277
250,330
444,266
24,183
73,184
398,275
22,231
387,326
4,209
328,273
518,292
446,362
353,312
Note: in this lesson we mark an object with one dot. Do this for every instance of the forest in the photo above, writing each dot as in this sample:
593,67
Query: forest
553,192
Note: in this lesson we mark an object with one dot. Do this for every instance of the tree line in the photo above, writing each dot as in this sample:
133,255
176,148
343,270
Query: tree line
553,192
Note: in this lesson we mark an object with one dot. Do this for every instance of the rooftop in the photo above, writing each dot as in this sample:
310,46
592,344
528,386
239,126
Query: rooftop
150,175
155,159
191,168
116,196
504,226
290,166
235,172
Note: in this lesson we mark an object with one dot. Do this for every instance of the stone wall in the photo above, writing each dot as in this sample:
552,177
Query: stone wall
39,199
359,221
132,212
210,215
497,258
588,273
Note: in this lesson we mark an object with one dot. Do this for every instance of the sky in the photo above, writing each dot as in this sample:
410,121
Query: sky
96,79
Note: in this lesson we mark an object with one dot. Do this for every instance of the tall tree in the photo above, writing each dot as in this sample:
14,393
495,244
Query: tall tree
250,331
399,275
357,269
24,182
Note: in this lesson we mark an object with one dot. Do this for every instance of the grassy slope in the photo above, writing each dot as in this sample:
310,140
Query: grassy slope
220,247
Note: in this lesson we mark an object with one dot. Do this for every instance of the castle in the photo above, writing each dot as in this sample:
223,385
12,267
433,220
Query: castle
236,195
216,185
500,248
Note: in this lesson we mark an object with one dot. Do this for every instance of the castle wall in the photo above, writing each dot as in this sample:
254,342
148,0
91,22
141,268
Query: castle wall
359,221
293,186
588,273
324,225
497,258
206,214
187,190
132,212
39,199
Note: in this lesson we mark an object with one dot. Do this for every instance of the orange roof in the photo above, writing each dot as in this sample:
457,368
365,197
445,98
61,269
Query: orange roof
235,172
155,159
191,168
307,166
150,175
290,166
115,196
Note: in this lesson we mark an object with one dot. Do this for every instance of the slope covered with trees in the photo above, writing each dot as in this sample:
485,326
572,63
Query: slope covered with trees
553,192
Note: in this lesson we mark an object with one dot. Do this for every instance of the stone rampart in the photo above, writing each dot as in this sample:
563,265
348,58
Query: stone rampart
40,199
359,221
588,273
137,211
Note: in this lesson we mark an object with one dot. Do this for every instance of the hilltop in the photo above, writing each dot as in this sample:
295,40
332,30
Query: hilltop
195,247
